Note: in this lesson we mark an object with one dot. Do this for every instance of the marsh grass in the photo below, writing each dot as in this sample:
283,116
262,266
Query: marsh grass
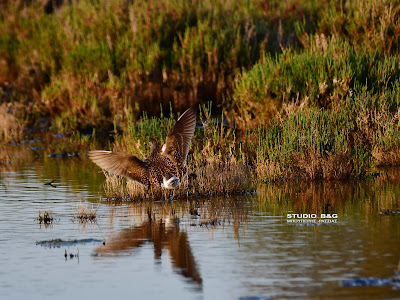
311,87
310,145
116,187
46,218
349,141
326,73
92,63
216,162
86,64
85,213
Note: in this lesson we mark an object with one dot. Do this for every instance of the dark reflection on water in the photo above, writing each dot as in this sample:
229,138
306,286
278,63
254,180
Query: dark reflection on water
162,237
217,248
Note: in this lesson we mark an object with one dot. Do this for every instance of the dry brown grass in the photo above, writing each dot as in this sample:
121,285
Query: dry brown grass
387,158
218,176
85,213
46,218
117,187
9,125
209,176
330,167
309,166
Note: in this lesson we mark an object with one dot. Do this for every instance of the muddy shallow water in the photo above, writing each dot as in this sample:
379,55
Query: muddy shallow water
209,248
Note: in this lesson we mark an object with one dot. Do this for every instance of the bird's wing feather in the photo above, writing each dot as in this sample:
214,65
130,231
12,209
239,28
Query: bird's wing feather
121,164
180,135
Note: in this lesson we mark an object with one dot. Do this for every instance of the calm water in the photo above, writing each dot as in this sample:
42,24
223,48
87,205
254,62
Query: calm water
217,248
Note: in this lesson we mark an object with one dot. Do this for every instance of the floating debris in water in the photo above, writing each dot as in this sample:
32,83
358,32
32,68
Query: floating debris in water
389,212
57,243
207,223
26,142
210,223
71,255
371,281
35,148
55,155
64,155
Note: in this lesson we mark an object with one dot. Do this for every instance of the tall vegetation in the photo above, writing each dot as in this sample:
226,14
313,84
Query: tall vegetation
310,88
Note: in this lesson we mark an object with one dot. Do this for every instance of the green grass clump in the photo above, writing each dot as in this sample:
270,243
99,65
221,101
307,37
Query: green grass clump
321,76
370,26
343,143
310,145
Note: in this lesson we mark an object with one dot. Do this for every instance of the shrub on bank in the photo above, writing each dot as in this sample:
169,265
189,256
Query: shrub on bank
346,142
324,75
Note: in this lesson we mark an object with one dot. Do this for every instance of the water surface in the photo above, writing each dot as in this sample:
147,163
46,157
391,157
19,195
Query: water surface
208,248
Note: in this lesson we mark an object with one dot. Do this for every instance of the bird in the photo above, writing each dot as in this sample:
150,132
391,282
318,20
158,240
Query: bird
164,167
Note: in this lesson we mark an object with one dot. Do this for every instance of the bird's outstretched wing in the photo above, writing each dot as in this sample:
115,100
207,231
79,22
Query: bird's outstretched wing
121,164
178,139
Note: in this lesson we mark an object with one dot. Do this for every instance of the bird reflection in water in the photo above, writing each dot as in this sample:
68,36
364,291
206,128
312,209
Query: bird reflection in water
162,236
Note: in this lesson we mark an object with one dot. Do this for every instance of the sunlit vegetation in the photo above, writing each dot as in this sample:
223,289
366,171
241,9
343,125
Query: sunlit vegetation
85,213
307,90
328,73
92,63
346,142
216,163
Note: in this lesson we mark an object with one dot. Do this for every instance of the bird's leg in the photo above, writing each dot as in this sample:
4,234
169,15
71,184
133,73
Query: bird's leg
173,196
165,195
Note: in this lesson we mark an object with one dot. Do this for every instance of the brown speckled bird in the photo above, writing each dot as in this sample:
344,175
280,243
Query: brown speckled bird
163,168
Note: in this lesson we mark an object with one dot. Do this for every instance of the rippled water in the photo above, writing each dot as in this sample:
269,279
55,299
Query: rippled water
216,248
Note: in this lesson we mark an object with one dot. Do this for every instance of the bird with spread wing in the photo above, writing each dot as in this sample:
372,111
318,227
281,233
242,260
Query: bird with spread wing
162,168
